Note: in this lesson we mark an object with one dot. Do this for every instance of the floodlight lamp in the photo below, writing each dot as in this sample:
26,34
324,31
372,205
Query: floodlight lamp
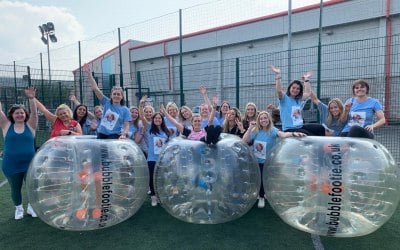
44,27
50,27
44,40
41,30
53,38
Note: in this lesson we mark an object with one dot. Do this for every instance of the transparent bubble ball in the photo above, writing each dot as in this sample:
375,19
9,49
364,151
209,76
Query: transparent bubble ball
204,184
332,186
82,183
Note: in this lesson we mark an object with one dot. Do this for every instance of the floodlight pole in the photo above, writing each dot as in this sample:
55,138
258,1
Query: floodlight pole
48,55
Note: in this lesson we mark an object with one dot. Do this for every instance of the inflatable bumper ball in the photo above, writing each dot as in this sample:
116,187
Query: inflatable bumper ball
82,183
330,186
205,184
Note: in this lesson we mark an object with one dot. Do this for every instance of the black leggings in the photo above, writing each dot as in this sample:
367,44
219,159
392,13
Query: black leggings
16,181
357,131
309,129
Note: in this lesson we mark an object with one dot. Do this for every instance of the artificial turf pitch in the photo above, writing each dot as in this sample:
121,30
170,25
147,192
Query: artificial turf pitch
154,228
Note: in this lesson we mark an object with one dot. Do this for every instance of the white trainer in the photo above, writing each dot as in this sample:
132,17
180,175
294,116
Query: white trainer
30,211
19,212
154,200
261,202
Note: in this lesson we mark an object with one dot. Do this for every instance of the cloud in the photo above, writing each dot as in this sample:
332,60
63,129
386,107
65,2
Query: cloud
20,36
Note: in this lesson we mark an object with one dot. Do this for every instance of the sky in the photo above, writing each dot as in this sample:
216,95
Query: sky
77,20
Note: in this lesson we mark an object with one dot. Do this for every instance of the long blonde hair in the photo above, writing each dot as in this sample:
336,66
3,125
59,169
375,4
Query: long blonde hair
340,106
258,127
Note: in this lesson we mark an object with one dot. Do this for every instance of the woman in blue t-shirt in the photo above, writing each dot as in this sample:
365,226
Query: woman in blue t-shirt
292,103
263,134
116,117
330,115
360,111
158,135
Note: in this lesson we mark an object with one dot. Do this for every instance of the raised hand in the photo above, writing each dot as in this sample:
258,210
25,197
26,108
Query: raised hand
276,70
215,100
30,92
306,75
72,98
143,101
203,89
162,109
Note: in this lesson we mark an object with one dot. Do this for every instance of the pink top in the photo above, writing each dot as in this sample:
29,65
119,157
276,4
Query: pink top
195,136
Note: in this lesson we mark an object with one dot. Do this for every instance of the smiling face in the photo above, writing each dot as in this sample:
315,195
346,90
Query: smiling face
250,110
294,90
204,112
134,113
81,112
19,115
196,122
263,120
157,120
335,109
224,108
186,113
360,88
117,96
148,112
63,114
98,112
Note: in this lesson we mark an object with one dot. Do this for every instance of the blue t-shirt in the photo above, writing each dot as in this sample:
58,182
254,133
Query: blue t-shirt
113,118
171,126
290,110
204,123
263,143
335,125
362,113
132,131
87,129
156,144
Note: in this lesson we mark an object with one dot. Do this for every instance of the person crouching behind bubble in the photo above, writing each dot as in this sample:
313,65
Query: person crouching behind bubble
116,117
19,129
62,122
263,134
209,134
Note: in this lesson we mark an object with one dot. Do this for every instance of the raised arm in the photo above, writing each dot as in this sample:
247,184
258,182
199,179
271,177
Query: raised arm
307,86
203,91
33,118
213,110
314,98
178,125
141,107
92,82
278,81
246,137
49,116
3,118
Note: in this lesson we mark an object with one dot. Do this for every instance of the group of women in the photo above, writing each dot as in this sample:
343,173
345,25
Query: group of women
152,130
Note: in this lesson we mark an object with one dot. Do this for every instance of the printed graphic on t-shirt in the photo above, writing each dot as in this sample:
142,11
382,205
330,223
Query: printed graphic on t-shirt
260,149
296,115
357,119
158,143
109,120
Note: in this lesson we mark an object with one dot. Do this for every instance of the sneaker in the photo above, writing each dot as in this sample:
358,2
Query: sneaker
19,212
149,191
154,200
261,203
30,211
